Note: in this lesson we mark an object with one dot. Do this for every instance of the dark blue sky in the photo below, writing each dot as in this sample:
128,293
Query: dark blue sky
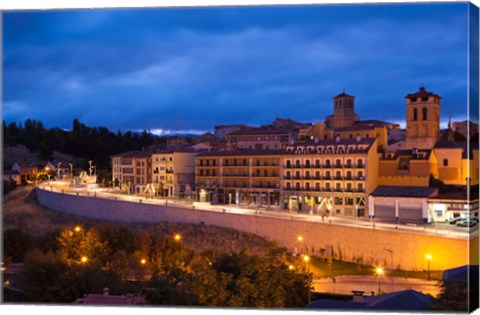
192,68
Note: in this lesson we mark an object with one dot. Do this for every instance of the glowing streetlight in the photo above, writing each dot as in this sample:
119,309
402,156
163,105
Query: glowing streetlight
143,261
306,258
177,237
301,239
78,229
428,257
290,267
379,272
84,260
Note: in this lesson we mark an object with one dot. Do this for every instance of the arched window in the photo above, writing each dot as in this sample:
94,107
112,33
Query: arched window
424,112
414,114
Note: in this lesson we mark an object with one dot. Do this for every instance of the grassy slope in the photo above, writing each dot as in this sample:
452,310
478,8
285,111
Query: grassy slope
20,209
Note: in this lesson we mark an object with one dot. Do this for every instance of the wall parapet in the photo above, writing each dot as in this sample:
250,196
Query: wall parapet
370,246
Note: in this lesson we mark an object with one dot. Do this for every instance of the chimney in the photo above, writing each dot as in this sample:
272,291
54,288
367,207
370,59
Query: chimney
106,291
358,296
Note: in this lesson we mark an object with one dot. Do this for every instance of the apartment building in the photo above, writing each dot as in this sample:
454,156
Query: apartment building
131,171
173,172
329,177
239,177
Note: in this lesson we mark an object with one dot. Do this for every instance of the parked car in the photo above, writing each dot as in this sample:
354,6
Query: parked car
466,223
455,220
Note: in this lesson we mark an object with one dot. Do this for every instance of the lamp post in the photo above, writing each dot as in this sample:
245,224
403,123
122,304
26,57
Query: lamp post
71,170
379,272
58,170
428,257
306,259
177,237
391,257
301,239
90,168
78,229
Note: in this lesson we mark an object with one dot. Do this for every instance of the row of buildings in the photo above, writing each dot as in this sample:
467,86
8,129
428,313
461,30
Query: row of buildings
344,166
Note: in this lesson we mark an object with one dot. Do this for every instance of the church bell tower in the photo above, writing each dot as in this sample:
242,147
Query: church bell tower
423,119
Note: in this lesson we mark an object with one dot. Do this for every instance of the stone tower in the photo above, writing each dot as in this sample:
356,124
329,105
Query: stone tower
423,119
343,111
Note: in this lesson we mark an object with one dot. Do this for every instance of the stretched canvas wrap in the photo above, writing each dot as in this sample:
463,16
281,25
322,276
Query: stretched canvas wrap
317,157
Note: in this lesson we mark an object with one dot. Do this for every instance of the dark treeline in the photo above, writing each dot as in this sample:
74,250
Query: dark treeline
90,143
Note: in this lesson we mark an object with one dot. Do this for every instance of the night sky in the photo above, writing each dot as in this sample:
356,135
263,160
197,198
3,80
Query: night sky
192,68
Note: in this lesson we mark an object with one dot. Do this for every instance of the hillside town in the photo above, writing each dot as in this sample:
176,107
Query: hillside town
344,166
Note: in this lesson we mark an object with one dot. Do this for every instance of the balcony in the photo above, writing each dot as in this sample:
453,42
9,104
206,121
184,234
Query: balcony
338,178
360,165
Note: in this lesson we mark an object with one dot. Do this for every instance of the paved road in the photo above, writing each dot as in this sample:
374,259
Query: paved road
345,285
444,230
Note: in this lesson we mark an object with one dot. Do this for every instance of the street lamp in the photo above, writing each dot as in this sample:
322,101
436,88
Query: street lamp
177,237
84,259
306,259
379,272
143,261
301,239
90,168
78,229
428,257
58,170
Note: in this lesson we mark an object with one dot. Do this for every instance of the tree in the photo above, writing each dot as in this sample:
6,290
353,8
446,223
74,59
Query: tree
93,247
69,246
15,244
457,296
50,279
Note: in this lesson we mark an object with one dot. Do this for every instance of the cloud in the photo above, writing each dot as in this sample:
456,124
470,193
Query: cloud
144,69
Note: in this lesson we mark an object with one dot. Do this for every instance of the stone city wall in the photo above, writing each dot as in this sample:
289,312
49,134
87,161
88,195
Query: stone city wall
372,246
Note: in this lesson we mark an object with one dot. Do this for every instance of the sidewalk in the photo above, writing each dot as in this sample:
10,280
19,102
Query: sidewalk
265,212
